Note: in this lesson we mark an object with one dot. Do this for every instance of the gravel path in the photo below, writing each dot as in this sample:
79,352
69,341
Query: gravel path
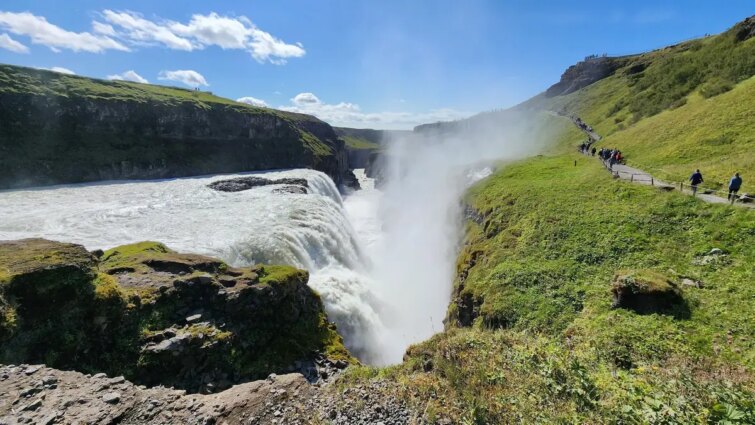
639,176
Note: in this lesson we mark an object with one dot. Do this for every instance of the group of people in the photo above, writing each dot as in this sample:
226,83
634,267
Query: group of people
735,183
585,148
581,124
611,156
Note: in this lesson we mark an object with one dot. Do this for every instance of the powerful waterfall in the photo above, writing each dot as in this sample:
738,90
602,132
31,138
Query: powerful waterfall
310,231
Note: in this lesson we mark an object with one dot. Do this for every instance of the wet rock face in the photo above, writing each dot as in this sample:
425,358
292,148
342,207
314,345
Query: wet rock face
245,183
156,316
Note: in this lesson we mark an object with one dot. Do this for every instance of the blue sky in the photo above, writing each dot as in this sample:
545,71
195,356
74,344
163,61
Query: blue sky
378,64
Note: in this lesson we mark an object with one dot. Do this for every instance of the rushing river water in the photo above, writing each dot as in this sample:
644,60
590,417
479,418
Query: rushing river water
311,231
381,260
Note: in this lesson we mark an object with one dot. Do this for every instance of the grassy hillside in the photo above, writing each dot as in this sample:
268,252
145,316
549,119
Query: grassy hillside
676,109
544,344
57,128
30,81
536,330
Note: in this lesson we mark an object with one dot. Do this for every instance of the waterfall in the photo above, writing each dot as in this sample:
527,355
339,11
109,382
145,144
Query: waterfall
310,231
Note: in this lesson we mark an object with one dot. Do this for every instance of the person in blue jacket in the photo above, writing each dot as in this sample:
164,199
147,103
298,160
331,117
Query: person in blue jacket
695,179
734,184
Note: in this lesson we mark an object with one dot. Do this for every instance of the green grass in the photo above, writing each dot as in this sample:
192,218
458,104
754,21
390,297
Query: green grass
545,346
354,142
21,80
716,135
676,109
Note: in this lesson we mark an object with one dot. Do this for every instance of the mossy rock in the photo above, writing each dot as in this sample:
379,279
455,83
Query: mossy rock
646,292
62,306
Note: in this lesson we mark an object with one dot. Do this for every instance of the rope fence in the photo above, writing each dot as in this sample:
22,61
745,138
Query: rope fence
681,185
594,137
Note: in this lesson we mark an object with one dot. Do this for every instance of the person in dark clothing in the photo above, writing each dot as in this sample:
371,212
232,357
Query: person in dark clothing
594,150
734,184
695,179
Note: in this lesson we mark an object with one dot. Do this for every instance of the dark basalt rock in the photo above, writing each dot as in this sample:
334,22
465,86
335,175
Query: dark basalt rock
245,183
291,190
156,316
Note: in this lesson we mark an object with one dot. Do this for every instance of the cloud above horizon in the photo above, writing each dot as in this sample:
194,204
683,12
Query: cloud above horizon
130,75
44,33
202,31
186,76
252,101
7,43
350,114
127,30
60,70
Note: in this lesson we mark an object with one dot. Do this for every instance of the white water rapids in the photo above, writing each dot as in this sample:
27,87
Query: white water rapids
310,231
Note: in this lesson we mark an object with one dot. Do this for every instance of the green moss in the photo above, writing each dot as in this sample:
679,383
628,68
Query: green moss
354,142
645,281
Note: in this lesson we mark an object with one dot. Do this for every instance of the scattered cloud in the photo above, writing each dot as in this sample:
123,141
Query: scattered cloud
130,75
10,44
186,76
200,32
252,101
44,33
135,28
350,114
59,69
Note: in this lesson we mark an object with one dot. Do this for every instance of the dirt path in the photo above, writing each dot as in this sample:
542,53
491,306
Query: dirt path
638,176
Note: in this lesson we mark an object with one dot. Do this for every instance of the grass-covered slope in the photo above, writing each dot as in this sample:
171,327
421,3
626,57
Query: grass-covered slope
676,109
580,298
533,336
57,128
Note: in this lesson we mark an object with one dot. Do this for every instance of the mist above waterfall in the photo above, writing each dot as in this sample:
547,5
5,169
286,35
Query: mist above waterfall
382,259
420,207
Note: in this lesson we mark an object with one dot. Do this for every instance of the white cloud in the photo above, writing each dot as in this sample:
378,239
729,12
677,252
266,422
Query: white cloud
213,29
60,70
187,76
104,29
10,44
42,32
130,75
203,31
252,101
350,114
264,46
136,28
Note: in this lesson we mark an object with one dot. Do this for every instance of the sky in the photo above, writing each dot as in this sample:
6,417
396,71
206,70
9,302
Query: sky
387,64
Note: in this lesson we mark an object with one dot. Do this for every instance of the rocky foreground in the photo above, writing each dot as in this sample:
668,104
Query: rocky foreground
34,394
143,334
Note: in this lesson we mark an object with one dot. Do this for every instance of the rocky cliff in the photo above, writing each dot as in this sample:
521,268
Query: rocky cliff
158,317
583,74
57,128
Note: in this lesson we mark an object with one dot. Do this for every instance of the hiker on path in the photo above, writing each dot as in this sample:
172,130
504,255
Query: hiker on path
734,184
696,178
594,149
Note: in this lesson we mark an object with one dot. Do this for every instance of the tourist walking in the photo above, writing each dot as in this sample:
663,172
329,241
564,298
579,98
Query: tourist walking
734,184
695,179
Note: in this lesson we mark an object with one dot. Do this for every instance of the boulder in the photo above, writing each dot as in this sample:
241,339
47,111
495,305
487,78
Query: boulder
245,183
156,316
645,292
